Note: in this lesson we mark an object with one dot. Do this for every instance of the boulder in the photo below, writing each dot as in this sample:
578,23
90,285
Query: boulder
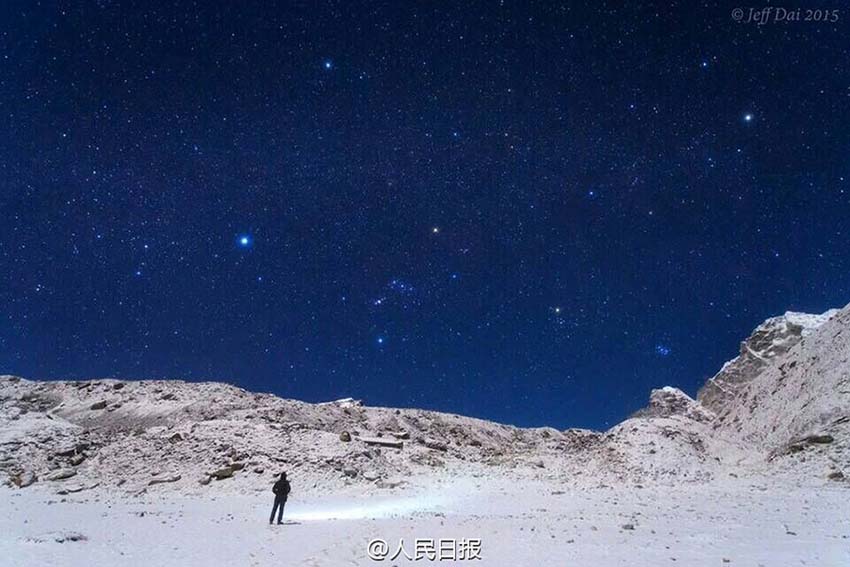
24,479
383,442
435,445
99,405
164,480
69,536
222,473
60,474
391,483
345,436
71,449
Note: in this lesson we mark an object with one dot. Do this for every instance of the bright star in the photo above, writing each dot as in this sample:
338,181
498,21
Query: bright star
748,117
380,340
328,64
244,241
435,230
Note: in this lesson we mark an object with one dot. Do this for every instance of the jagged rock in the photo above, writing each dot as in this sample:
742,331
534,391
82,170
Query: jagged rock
350,473
400,434
164,480
77,459
390,483
436,445
835,475
819,439
769,341
668,402
237,466
383,442
222,473
98,405
71,450
23,479
76,488
371,475
203,481
70,536
345,403
428,459
176,438
60,474
345,436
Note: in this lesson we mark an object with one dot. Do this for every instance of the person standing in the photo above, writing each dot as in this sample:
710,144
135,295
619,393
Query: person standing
281,490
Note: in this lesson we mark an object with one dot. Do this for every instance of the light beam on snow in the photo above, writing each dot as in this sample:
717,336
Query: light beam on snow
356,511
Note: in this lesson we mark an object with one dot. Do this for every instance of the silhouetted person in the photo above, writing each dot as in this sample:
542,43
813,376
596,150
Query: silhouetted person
281,490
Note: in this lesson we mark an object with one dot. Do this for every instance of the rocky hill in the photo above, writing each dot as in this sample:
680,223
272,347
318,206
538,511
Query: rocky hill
781,408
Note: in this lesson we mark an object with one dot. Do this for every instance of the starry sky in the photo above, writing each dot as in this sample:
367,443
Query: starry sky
532,212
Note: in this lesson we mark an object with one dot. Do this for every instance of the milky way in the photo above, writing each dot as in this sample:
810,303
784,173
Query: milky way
526,212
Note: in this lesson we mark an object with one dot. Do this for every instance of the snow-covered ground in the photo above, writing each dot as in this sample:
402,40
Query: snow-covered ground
733,522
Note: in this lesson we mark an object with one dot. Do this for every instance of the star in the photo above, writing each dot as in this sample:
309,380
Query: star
662,350
244,241
435,230
748,117
328,64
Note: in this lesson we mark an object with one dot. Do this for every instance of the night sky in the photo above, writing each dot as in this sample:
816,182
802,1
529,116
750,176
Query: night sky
527,212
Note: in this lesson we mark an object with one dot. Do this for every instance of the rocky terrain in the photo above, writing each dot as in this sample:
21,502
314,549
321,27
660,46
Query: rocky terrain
782,408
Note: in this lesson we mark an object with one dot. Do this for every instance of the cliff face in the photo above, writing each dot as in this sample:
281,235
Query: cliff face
782,406
797,407
764,348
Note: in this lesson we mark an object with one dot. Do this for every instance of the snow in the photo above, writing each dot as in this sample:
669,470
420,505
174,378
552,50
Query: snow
808,321
538,523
